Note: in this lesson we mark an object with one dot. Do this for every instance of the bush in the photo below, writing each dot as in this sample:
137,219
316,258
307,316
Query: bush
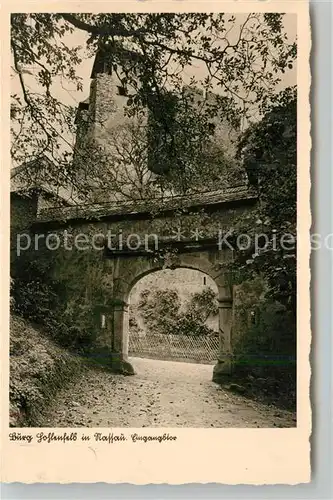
39,298
190,324
35,298
38,369
161,311
203,304
265,355
273,333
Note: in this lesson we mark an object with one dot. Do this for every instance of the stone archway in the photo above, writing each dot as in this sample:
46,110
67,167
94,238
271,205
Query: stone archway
159,304
127,272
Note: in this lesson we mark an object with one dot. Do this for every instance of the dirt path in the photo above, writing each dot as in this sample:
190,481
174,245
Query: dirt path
161,394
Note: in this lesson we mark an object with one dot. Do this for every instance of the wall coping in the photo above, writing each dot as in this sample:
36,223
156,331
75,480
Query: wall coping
143,209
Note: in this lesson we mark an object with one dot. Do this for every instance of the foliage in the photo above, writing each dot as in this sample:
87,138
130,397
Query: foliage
265,355
190,323
185,147
40,121
241,59
132,322
159,309
273,332
162,312
248,298
38,369
38,297
268,151
78,328
203,304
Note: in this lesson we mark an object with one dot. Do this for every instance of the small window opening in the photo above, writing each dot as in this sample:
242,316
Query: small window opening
122,91
204,280
102,320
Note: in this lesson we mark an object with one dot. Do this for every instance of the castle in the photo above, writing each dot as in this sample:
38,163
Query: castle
103,125
102,121
114,152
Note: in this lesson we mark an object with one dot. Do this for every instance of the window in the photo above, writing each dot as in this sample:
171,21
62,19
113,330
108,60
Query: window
122,91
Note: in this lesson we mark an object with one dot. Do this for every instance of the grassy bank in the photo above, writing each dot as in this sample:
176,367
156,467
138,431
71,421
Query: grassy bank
38,369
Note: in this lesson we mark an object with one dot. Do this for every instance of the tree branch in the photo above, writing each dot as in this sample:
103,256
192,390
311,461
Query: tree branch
101,30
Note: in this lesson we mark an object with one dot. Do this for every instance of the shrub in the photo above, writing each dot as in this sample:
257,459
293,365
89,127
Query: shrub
203,304
267,352
39,298
273,333
190,324
36,298
161,311
38,368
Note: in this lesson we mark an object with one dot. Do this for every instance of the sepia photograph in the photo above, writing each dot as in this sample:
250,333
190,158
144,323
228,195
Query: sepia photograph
153,220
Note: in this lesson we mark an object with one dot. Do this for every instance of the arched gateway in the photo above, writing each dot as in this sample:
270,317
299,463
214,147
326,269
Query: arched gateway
100,252
127,272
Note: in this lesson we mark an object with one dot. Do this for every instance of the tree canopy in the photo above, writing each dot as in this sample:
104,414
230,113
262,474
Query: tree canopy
269,154
239,58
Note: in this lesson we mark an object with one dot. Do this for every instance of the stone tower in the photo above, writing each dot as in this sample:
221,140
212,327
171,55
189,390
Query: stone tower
102,125
114,156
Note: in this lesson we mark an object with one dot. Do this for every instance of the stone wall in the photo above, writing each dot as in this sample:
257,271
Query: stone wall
84,271
94,280
23,213
97,282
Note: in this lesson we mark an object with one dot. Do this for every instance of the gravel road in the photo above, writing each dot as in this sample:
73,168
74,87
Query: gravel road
161,394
